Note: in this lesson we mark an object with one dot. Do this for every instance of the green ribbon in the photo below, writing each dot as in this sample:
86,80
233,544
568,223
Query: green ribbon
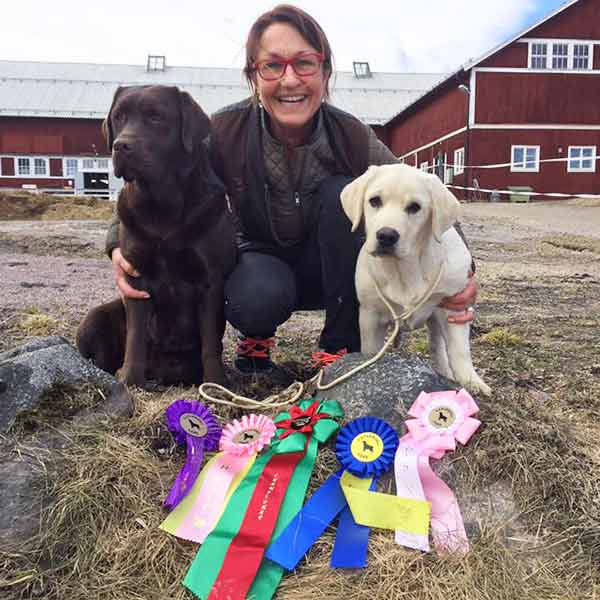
206,565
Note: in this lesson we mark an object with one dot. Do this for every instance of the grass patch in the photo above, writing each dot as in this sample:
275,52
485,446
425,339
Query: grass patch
502,337
37,323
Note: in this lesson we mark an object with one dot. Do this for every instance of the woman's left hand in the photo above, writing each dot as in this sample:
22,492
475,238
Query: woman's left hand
462,302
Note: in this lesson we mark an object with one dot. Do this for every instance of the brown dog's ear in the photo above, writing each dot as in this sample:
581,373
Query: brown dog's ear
195,125
353,197
107,130
445,208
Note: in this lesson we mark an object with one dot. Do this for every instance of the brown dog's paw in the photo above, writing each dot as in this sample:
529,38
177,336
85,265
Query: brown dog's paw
214,373
130,377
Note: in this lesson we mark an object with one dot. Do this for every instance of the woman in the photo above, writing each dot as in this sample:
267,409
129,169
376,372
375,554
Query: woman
285,155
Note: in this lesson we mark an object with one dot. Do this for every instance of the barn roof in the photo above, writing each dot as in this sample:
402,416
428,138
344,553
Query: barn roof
84,90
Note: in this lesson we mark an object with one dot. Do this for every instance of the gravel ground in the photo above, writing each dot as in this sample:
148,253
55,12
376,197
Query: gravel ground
58,266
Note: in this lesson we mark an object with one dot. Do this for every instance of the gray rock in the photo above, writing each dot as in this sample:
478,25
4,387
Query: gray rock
385,389
31,370
25,472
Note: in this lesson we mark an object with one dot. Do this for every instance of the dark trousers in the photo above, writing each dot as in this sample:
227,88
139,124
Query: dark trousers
266,288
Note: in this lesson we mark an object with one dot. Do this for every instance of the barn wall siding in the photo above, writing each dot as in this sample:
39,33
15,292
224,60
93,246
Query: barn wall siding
446,114
520,98
494,147
580,21
31,135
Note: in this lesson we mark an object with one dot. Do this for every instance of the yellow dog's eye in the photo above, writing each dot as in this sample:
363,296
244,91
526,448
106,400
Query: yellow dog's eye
375,201
413,208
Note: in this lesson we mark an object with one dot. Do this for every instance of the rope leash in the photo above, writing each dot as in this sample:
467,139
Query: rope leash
298,389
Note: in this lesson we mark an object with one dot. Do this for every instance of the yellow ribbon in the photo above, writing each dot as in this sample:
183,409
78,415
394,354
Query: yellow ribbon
175,518
384,511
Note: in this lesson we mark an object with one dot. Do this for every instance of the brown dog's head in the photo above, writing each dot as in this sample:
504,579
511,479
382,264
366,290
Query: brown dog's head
152,131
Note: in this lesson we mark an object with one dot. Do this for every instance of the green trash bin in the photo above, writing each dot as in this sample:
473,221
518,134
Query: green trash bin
520,193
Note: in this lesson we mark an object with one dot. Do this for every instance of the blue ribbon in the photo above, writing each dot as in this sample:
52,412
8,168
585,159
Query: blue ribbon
351,542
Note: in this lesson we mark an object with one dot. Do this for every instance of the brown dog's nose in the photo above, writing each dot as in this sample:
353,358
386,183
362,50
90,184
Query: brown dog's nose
122,146
387,237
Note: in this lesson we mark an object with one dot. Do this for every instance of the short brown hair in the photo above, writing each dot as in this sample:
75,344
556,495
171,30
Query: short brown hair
302,22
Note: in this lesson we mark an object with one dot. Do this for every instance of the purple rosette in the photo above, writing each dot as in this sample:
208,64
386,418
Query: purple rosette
191,423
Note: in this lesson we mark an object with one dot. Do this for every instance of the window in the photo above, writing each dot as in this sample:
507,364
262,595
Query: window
424,166
23,166
459,161
102,163
70,167
40,166
560,56
525,158
565,55
581,56
361,70
538,56
156,63
582,159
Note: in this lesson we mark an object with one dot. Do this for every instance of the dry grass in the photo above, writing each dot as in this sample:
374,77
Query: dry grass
535,341
24,206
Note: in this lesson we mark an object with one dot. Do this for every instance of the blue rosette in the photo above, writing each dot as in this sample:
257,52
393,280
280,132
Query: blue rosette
365,448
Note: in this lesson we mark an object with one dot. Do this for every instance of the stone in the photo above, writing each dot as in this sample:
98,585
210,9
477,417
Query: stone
385,389
28,372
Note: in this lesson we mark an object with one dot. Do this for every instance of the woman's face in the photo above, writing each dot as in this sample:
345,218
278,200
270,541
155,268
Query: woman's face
291,101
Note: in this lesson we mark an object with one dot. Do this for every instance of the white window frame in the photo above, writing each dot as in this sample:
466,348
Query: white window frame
581,169
590,56
533,45
459,161
66,173
32,160
424,166
524,168
563,57
550,56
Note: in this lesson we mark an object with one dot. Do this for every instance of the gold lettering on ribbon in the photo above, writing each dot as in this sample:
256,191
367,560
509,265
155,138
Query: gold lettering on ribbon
265,502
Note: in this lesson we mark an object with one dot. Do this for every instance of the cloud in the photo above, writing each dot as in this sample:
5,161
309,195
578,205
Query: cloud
392,35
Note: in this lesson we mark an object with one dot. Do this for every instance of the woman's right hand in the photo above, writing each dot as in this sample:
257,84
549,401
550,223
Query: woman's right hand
121,268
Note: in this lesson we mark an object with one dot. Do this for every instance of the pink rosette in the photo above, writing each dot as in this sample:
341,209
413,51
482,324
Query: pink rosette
247,436
440,420
240,442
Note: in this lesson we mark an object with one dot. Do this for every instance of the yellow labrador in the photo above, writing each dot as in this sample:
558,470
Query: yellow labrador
411,242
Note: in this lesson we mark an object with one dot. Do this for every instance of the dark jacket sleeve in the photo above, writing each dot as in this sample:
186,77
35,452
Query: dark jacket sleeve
112,235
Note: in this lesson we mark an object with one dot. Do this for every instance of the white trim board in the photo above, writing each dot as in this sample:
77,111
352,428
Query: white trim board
560,126
445,137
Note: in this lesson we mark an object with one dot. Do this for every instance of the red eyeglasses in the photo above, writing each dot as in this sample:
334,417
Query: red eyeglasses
304,65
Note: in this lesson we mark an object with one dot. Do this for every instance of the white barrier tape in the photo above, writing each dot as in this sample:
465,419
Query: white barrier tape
550,194
510,164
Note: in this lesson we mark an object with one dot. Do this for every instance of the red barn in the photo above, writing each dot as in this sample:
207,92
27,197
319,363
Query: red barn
532,104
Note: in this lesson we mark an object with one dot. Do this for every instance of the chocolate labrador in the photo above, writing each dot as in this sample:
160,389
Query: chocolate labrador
176,230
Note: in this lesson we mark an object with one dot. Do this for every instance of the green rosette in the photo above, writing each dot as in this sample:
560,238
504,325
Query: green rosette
310,420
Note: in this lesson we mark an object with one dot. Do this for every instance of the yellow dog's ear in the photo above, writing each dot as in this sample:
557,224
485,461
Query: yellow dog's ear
353,197
445,208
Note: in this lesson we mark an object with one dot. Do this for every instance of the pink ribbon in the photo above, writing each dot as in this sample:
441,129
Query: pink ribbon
239,442
441,419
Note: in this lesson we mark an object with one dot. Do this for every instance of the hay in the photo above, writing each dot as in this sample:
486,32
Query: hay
537,452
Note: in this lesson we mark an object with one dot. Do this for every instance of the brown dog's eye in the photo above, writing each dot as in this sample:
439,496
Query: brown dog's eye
413,208
375,202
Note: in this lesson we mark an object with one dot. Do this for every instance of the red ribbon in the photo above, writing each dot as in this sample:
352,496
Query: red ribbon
245,553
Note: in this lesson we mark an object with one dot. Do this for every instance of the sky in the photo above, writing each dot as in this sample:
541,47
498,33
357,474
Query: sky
392,35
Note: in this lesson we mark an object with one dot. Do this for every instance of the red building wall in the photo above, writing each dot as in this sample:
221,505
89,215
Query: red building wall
581,21
513,56
46,136
537,98
431,121
494,147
